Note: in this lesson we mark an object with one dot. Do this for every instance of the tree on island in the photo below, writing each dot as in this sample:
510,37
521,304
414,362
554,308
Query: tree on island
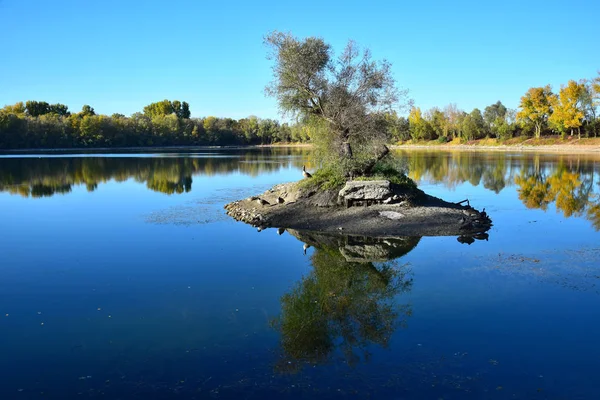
345,99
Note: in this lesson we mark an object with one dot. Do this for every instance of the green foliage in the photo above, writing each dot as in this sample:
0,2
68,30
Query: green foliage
329,177
420,128
54,127
87,111
37,108
167,107
348,98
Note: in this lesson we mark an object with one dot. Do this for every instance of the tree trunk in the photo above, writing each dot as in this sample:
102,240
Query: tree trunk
346,150
382,152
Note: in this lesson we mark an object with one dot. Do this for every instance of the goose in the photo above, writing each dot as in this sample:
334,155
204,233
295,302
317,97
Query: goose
483,214
306,246
263,202
280,200
304,173
280,231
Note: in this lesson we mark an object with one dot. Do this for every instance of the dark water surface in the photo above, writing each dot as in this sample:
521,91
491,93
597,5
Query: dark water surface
122,278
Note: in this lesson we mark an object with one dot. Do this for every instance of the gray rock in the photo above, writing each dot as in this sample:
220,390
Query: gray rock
391,214
366,190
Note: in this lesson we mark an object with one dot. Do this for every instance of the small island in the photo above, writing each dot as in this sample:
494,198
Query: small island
359,189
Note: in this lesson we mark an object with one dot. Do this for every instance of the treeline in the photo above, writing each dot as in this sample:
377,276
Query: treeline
38,124
573,109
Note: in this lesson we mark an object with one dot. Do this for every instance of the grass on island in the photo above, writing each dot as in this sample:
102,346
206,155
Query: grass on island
332,178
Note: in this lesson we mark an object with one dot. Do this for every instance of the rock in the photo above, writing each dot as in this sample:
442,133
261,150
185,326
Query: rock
366,190
391,214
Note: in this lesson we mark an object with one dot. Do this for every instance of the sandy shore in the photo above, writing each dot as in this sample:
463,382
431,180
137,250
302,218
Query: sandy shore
565,149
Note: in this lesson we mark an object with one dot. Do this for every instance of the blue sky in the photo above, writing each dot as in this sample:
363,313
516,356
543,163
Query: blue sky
119,56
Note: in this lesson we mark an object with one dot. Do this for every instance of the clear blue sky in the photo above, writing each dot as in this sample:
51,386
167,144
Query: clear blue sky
119,56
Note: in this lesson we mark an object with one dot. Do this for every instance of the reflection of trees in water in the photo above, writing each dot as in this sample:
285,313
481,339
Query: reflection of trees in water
567,181
342,306
37,177
568,185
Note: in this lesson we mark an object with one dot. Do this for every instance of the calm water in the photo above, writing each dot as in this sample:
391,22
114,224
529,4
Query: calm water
122,278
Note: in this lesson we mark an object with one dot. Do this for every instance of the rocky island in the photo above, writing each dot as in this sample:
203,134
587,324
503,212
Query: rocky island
345,103
376,209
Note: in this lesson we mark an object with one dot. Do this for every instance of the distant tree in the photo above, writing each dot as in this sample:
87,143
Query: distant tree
568,108
37,108
420,129
536,108
438,121
267,129
493,112
87,110
453,119
58,109
167,107
17,109
590,102
117,115
347,96
495,117
184,111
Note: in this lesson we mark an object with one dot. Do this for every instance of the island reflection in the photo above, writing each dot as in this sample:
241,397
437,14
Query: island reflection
349,301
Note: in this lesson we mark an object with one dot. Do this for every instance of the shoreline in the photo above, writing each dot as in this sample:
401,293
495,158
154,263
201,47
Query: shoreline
546,144
555,148
145,149
560,148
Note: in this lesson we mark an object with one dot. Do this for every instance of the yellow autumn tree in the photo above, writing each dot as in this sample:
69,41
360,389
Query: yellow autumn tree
567,108
535,108
596,85
419,127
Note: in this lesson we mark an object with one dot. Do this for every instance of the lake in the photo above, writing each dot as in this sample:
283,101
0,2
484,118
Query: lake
121,277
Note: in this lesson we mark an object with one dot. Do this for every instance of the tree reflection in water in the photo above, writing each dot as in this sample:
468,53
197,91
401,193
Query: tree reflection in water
47,176
347,303
567,181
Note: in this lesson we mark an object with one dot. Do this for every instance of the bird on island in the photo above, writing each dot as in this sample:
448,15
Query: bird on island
304,173
280,200
280,231
305,247
263,202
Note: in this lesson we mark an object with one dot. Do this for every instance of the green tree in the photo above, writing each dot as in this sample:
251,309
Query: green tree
439,123
348,96
87,110
495,117
58,109
37,108
473,125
